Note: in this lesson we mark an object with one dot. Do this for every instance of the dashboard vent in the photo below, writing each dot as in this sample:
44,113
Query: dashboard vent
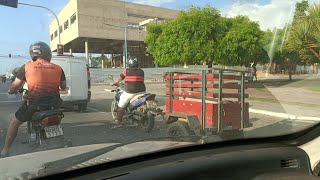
289,163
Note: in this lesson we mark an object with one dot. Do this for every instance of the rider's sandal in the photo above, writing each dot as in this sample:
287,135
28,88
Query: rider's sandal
117,126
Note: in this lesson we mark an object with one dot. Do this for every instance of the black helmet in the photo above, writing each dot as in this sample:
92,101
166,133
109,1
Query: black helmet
40,50
133,63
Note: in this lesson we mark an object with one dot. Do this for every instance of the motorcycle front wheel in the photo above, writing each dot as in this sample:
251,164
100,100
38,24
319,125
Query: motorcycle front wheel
114,107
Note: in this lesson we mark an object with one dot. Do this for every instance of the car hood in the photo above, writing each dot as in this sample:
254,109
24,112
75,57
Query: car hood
52,161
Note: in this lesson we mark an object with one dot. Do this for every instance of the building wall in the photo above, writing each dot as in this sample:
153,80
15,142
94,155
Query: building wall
92,25
92,15
71,32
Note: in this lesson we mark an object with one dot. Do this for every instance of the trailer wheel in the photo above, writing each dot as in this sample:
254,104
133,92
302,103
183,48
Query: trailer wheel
179,129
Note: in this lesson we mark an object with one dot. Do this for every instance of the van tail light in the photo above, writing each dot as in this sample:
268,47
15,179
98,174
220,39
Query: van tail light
89,79
51,120
88,72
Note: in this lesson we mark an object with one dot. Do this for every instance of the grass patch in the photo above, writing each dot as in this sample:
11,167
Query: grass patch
283,102
262,89
312,88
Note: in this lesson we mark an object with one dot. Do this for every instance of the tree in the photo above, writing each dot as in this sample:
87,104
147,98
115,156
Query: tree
300,10
304,36
241,44
97,61
193,37
273,40
288,60
201,35
154,31
106,61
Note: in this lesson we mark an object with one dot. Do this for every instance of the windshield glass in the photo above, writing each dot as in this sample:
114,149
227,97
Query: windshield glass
138,76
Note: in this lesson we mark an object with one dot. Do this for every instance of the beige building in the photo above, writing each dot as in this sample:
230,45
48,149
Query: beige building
98,26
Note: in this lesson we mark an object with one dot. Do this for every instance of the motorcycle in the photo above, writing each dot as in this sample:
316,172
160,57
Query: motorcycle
45,128
3,79
141,110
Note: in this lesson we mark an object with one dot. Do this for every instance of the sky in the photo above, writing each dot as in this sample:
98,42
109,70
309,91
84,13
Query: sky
24,25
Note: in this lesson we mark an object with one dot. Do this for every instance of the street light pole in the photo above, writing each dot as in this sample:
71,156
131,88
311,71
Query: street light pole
125,41
126,45
32,5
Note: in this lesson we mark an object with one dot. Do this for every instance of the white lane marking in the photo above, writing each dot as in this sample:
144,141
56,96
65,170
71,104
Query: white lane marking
285,116
10,101
107,90
95,110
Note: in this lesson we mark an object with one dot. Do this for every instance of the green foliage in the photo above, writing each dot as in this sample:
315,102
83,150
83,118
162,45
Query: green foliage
154,31
193,37
97,61
241,44
276,35
300,9
304,36
200,35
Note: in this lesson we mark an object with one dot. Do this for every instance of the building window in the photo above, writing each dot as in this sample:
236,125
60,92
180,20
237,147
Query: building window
56,33
73,18
134,26
60,29
66,25
51,37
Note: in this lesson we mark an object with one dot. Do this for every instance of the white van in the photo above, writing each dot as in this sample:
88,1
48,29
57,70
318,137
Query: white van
78,81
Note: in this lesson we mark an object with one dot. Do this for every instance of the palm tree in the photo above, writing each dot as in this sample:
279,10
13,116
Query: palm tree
304,36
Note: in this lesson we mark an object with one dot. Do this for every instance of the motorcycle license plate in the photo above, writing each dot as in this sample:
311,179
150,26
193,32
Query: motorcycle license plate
53,131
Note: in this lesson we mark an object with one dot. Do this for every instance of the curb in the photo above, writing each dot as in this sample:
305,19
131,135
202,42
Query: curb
270,113
284,115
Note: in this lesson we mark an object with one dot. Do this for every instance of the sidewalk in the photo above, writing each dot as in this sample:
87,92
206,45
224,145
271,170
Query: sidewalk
293,110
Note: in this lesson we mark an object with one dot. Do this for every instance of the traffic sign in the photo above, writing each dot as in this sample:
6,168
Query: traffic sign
10,3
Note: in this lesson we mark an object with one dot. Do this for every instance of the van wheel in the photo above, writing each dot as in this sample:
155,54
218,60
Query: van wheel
82,107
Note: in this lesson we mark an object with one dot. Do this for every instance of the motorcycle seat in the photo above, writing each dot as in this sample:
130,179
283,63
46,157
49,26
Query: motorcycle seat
37,116
138,96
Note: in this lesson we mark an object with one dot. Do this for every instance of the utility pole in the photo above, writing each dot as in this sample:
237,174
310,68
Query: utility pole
125,42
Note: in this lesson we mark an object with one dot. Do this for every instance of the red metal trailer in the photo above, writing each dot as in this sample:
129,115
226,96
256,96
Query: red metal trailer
209,103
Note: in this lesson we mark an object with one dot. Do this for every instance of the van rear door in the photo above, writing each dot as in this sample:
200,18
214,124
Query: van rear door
79,80
65,65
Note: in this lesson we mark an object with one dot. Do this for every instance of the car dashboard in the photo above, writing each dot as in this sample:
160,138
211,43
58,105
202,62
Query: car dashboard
285,157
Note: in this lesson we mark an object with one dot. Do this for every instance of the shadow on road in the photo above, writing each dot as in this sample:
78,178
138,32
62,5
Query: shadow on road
283,127
277,82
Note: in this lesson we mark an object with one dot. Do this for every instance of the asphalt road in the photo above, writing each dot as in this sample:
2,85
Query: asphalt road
94,125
